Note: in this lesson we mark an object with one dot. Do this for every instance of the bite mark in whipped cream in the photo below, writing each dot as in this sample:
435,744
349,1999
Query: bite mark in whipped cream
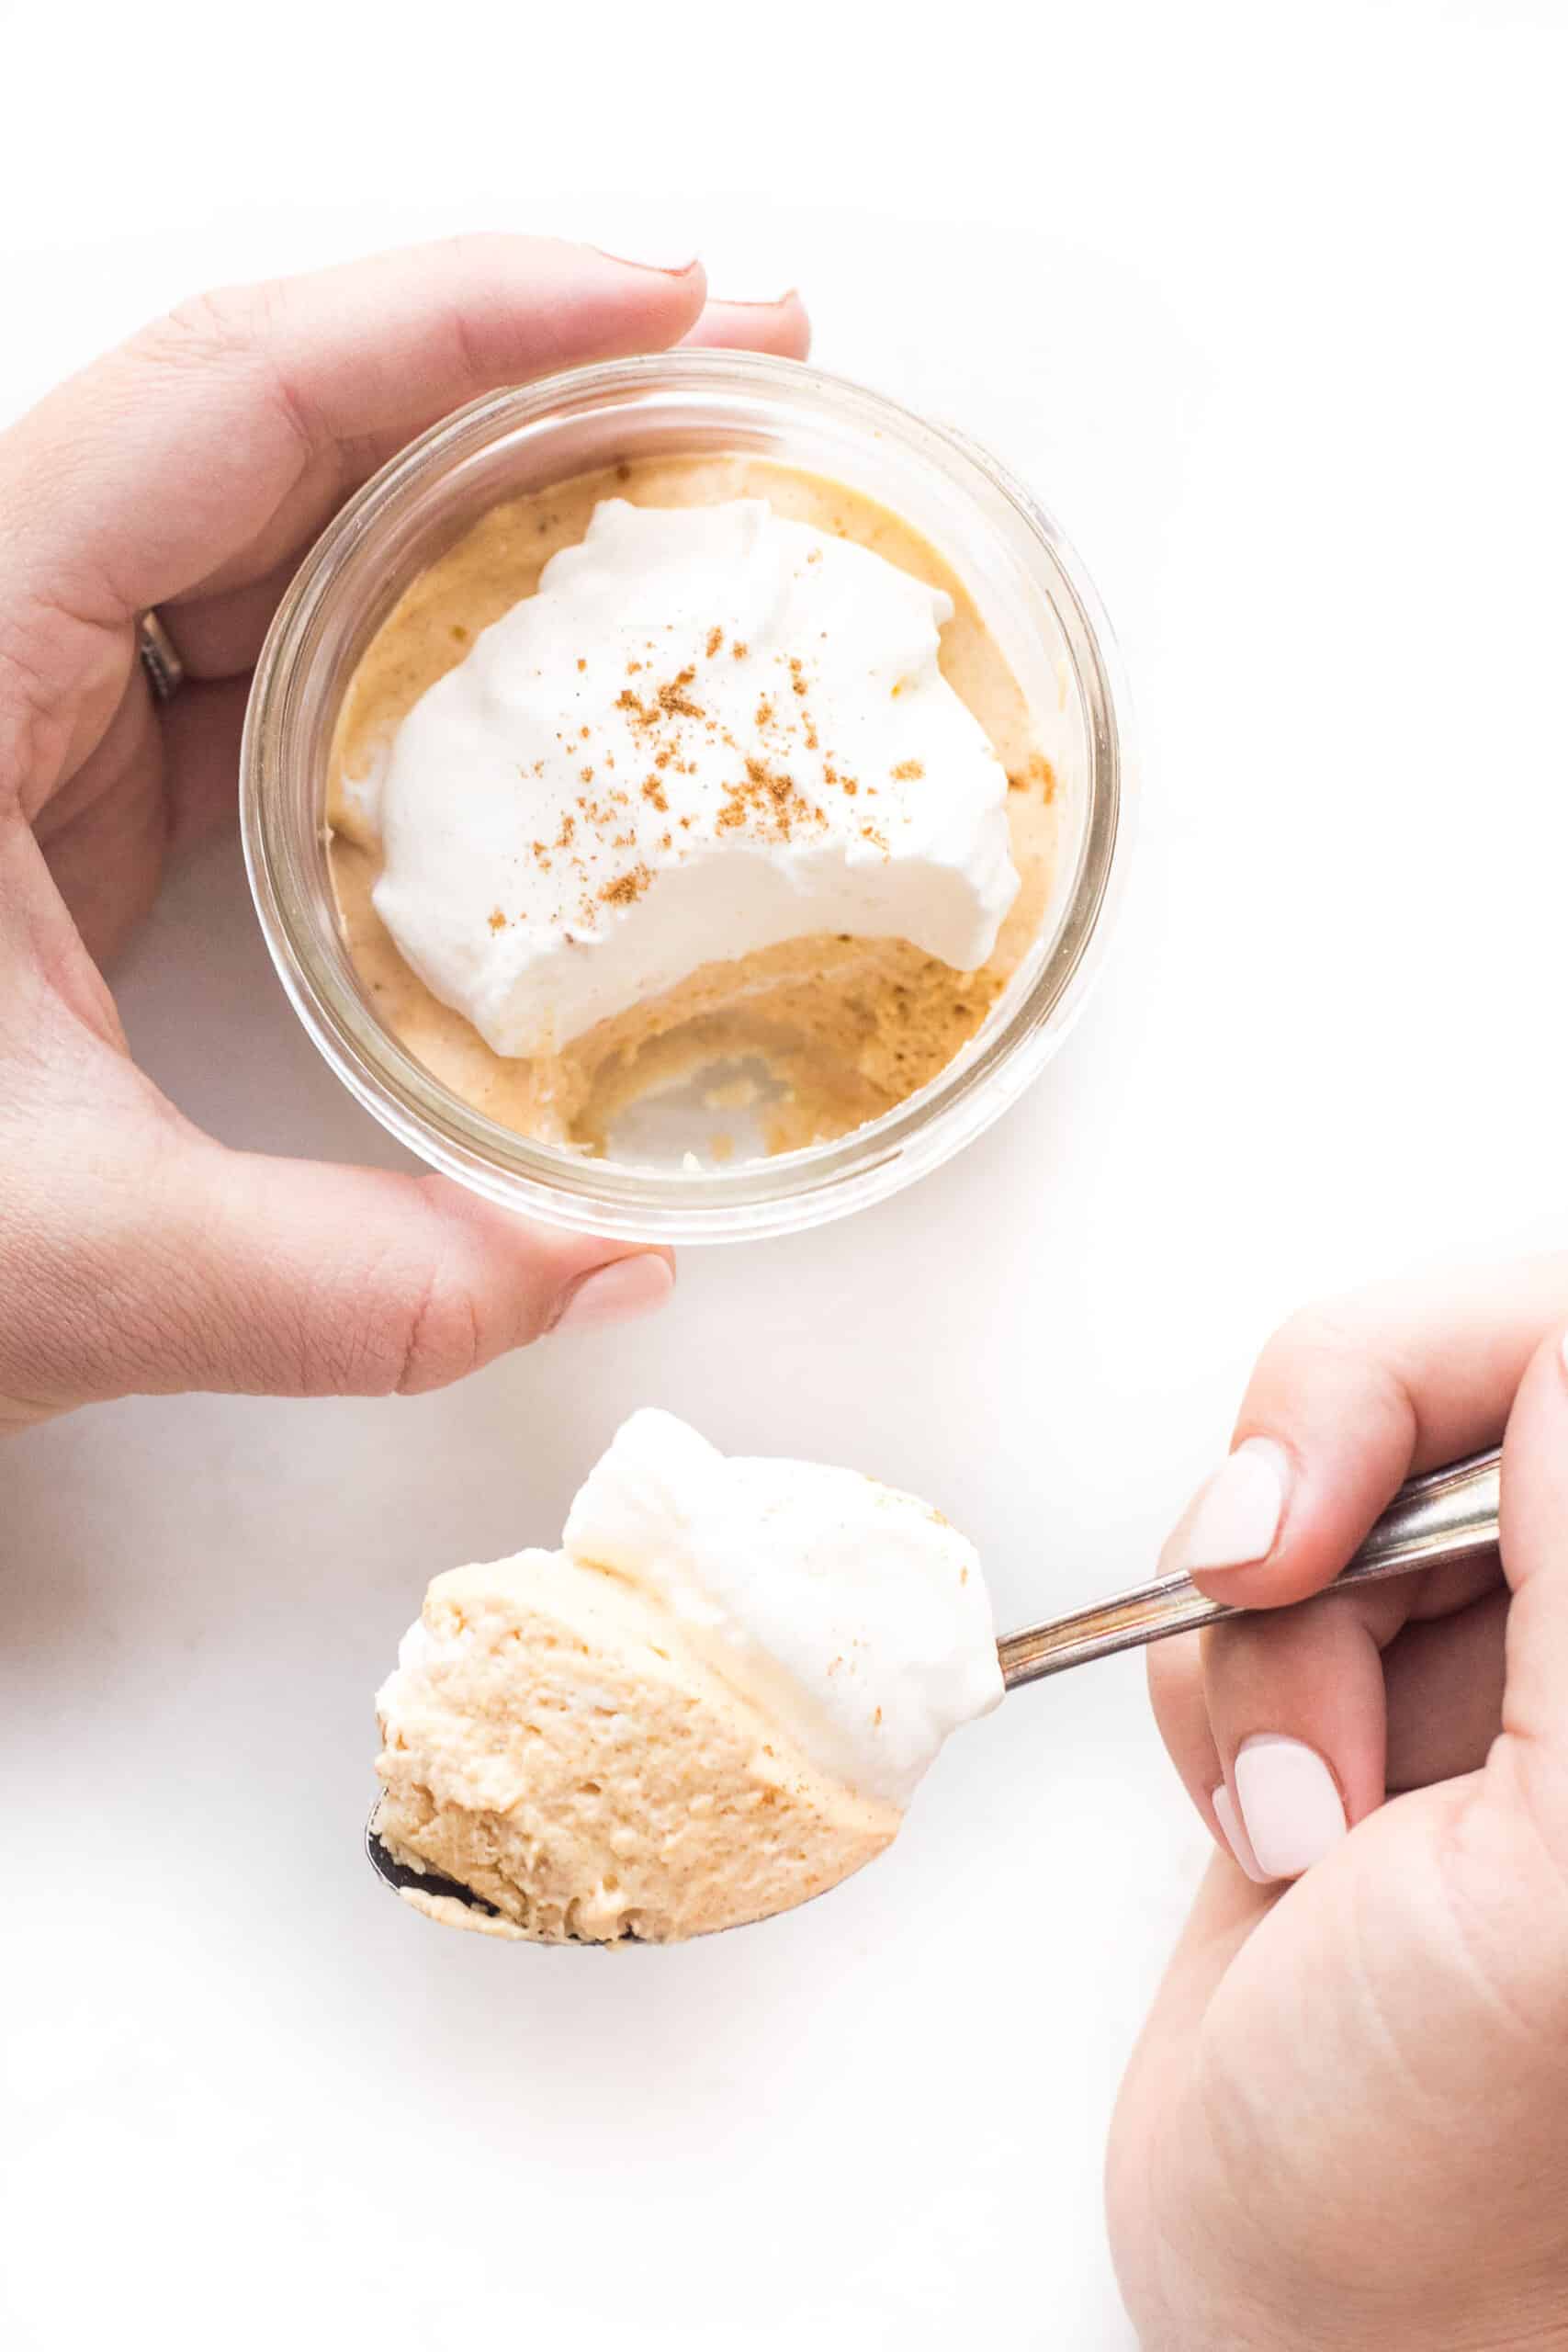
711,730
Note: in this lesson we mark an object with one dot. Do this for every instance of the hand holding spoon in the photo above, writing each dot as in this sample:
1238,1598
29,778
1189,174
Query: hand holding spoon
1447,1516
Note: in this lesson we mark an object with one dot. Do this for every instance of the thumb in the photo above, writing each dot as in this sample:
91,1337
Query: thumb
1534,1561
318,1280
224,1270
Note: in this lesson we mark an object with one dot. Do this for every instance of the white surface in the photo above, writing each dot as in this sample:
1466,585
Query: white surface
743,605
1267,304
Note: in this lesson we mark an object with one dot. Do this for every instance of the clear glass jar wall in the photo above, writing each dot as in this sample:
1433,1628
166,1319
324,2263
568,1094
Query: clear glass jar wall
1031,589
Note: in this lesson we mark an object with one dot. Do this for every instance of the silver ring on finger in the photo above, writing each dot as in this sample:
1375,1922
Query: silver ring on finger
165,671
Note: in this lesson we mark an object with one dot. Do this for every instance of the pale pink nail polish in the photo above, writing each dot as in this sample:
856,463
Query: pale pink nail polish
615,1294
1236,1836
1234,1519
1290,1803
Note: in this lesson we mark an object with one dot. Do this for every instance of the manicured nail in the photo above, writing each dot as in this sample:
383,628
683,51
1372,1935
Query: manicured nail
615,1294
1234,1520
1290,1803
649,261
1235,1835
758,302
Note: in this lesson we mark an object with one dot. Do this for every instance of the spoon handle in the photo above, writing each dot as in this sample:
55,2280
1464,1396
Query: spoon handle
1449,1515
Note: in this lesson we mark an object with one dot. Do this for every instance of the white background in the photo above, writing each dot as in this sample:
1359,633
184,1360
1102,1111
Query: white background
1267,304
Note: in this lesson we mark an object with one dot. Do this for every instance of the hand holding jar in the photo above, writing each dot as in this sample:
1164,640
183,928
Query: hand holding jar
187,472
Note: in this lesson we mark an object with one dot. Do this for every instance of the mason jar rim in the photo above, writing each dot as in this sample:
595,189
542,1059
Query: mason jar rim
788,1190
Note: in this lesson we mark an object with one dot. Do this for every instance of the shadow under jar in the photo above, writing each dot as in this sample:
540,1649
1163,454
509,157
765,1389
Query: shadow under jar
1023,581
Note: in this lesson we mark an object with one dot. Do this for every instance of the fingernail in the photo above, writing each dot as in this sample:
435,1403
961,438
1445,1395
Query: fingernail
758,302
1234,1520
615,1294
1235,1835
646,261
1290,1803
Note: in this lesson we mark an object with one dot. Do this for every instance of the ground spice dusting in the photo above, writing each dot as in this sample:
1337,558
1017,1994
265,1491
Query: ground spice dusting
908,772
497,919
653,791
738,650
674,698
767,800
626,888
581,662
715,639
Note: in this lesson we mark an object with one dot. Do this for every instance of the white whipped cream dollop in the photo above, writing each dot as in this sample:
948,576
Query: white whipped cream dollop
855,1613
710,730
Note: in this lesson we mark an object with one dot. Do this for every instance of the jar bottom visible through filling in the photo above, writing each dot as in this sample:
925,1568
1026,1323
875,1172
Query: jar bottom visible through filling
794,1044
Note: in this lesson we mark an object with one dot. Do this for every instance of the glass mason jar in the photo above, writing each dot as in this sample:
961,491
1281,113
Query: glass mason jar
1031,591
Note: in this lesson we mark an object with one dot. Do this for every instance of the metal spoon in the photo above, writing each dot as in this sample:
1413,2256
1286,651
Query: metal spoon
1445,1518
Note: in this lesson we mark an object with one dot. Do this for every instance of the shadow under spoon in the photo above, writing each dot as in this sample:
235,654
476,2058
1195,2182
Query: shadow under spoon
1444,1519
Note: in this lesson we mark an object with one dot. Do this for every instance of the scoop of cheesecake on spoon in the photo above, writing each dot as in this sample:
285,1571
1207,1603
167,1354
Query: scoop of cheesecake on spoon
715,1701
